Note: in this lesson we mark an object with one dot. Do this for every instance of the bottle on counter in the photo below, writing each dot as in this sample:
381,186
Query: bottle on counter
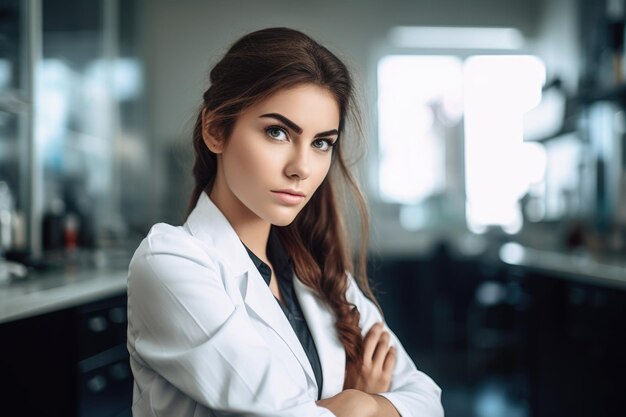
53,225
86,230
12,223
70,232
12,234
6,218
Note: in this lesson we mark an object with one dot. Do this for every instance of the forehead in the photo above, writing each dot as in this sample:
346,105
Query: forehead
310,106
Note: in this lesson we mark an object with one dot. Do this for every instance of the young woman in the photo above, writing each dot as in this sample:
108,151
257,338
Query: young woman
250,308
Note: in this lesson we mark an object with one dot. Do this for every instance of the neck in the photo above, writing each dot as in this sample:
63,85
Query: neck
251,229
254,234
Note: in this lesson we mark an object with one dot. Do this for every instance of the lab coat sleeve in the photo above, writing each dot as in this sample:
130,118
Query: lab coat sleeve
412,392
187,329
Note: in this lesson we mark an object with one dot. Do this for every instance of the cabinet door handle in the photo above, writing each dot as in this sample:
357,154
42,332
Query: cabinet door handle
119,371
97,383
117,315
97,324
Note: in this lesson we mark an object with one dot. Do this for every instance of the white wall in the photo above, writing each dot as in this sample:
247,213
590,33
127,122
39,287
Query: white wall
557,41
184,38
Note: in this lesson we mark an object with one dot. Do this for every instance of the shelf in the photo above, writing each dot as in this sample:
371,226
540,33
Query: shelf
554,136
12,101
615,94
583,99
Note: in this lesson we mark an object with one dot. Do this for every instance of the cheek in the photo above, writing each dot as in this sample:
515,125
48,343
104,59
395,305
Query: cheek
324,169
246,163
321,170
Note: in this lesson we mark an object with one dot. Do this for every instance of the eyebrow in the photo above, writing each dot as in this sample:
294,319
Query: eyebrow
295,127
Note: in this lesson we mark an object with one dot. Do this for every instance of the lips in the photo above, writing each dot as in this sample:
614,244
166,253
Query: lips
288,197
290,191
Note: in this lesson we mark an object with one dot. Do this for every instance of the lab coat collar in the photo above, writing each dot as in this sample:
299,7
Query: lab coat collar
207,223
321,321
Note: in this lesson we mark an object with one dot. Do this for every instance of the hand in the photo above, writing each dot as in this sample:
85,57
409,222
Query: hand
351,403
379,360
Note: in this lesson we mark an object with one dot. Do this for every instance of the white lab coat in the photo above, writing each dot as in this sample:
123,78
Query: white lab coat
206,336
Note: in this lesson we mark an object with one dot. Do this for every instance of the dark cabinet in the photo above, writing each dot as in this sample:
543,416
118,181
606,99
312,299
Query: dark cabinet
71,362
577,342
536,342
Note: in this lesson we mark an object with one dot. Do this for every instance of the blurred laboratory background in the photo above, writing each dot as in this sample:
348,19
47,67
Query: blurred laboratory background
495,171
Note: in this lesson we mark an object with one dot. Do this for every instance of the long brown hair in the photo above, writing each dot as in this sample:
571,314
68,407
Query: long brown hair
256,66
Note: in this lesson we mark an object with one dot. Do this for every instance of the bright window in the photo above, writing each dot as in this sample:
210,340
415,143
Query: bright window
416,94
420,96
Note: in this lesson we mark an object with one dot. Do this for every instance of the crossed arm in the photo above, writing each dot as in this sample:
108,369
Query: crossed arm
359,399
388,376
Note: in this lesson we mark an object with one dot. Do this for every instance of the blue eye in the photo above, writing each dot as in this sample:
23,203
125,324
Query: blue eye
323,145
274,130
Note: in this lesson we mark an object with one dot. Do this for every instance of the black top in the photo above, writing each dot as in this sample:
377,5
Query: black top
283,270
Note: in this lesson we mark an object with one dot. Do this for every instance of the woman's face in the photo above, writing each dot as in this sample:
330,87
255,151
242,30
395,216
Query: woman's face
279,148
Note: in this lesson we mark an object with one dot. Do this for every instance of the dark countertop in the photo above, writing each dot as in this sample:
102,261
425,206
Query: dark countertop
45,292
541,253
604,271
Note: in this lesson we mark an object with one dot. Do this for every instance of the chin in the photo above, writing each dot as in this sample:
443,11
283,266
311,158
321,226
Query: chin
285,218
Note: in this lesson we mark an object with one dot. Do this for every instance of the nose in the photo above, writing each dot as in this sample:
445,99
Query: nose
299,165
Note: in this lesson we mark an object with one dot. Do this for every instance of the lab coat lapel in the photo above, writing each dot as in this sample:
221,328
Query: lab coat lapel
321,321
261,300
209,224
